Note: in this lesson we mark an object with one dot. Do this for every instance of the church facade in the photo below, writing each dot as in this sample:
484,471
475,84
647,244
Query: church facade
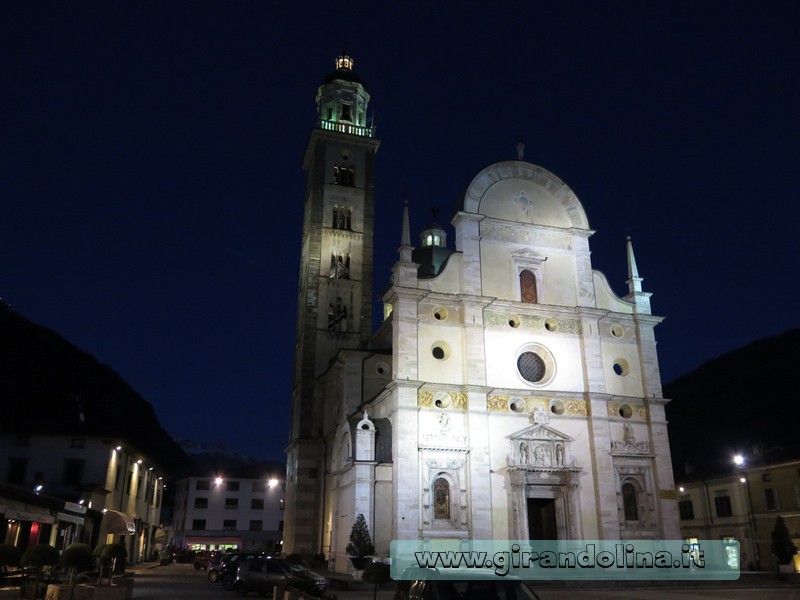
508,393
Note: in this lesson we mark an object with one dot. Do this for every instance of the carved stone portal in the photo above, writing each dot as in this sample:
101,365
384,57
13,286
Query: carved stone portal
541,466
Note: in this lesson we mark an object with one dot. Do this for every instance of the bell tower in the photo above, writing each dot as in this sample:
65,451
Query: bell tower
335,288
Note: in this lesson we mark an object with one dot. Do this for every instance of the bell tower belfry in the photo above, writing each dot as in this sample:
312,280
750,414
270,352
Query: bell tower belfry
335,288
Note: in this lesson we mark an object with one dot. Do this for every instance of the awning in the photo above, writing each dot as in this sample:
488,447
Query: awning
25,515
117,522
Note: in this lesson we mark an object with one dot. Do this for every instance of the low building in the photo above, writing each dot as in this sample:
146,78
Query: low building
743,506
233,508
61,489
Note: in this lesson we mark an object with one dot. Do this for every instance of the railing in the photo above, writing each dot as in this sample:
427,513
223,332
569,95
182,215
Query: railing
348,128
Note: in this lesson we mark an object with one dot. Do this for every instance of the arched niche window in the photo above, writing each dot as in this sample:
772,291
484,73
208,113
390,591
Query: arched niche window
441,498
527,287
344,175
342,217
346,113
629,501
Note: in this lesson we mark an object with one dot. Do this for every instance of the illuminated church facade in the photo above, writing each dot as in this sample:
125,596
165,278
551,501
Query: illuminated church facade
508,392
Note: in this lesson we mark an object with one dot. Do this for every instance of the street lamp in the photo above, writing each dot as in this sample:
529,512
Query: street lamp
739,461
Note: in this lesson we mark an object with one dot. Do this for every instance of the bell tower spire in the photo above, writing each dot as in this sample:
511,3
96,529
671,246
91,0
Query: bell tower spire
335,291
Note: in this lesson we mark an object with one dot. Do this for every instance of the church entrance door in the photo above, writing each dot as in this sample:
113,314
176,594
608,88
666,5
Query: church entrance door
542,519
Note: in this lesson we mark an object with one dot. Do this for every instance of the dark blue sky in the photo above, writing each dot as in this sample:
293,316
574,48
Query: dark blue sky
152,192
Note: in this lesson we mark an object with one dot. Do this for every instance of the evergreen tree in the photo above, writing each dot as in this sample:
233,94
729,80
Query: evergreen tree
782,546
360,542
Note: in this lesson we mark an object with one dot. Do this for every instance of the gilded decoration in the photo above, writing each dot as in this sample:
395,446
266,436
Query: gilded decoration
573,408
426,399
499,319
639,411
578,408
497,403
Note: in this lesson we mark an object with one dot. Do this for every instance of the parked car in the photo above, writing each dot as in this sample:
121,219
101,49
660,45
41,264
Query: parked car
264,573
306,580
203,558
213,568
226,571
484,586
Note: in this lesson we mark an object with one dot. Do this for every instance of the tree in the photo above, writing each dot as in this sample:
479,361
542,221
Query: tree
782,546
360,544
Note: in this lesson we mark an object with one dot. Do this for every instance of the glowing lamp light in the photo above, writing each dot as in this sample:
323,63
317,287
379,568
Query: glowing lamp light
118,448
738,460
138,462
743,479
38,488
80,501
681,489
272,482
218,481
105,510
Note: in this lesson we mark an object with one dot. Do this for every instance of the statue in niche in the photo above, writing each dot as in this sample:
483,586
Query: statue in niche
523,453
539,455
559,455
520,150
628,437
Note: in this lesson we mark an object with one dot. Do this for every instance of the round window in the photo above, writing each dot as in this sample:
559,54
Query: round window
531,366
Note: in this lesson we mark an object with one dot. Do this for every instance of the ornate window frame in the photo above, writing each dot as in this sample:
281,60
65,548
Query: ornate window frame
528,260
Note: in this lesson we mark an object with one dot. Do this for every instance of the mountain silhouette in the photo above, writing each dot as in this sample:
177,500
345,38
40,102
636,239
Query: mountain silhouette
744,402
49,386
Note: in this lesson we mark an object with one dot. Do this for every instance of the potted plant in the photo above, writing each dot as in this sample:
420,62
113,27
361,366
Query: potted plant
9,557
360,548
41,557
782,546
75,558
377,573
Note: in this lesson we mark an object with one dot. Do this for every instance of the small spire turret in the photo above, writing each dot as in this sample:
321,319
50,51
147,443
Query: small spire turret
405,235
634,281
635,294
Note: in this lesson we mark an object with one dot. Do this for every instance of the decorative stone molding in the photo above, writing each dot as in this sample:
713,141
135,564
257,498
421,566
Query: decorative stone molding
628,445
501,319
501,403
541,447
497,403
428,398
639,411
578,408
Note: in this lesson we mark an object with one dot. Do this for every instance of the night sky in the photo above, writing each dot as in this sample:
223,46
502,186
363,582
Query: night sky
151,184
